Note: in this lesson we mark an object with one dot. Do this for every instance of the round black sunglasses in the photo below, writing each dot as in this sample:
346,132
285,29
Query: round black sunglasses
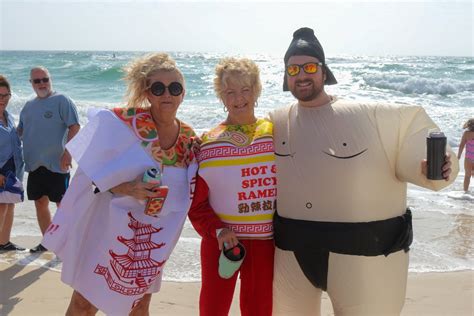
158,88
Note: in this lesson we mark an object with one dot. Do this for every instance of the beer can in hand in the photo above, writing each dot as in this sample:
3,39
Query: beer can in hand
155,204
435,155
152,175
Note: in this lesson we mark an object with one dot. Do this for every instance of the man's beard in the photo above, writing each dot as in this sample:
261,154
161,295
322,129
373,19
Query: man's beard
43,93
306,96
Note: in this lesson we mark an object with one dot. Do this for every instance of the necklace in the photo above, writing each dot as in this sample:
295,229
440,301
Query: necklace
230,122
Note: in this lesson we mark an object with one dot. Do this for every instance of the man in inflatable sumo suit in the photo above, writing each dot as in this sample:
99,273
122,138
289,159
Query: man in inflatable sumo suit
342,223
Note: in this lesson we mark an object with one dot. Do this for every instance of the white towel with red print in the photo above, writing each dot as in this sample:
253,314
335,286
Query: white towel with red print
112,252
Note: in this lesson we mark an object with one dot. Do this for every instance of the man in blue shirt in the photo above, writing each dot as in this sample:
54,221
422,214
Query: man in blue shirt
47,123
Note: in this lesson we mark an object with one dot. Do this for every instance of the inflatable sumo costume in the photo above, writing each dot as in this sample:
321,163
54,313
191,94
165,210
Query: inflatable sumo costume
342,223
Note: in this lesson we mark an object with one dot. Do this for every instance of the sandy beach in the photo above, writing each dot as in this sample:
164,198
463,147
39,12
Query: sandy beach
35,290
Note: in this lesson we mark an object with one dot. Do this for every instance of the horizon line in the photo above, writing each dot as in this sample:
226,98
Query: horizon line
224,52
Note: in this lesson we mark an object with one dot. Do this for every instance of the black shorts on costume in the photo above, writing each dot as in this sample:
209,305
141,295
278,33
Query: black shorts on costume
44,182
8,166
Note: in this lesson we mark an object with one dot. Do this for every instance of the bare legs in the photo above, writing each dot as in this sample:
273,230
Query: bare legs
142,308
79,306
3,213
6,222
468,166
42,213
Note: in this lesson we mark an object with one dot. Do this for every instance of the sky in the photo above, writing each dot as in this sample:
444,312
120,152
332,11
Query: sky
438,28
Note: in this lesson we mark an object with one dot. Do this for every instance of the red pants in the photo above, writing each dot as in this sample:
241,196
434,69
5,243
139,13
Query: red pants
256,278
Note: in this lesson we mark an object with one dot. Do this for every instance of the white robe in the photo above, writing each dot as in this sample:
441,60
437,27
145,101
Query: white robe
89,228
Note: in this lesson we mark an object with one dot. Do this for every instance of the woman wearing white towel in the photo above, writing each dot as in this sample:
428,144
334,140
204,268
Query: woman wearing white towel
113,247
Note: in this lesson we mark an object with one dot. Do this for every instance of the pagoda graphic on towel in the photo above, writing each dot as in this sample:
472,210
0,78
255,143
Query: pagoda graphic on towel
133,273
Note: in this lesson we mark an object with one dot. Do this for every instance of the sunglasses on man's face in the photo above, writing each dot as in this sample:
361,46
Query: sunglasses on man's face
309,68
37,81
158,88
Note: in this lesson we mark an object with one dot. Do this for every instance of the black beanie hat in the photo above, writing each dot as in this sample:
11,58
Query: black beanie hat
305,43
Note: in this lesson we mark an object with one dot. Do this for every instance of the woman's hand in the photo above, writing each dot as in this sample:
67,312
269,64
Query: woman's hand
137,189
2,180
227,237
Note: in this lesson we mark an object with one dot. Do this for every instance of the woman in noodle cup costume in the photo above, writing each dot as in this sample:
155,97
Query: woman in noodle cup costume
234,199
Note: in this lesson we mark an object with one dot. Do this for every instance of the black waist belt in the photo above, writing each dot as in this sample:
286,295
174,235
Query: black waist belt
312,241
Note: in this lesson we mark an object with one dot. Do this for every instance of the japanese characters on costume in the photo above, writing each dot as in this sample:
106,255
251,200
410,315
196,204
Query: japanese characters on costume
112,252
342,223
236,189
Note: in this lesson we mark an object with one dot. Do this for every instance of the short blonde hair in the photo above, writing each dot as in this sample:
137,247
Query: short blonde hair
138,73
242,71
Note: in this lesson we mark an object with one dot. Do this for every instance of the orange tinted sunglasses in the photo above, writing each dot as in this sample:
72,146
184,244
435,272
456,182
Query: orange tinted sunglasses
309,68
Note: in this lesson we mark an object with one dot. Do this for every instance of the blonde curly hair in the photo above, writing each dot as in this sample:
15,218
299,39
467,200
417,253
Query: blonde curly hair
242,71
138,72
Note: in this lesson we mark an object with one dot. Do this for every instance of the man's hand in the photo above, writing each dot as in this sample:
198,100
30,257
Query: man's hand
66,161
227,237
446,167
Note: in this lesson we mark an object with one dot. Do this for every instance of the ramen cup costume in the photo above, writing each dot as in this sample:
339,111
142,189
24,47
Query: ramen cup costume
342,223
236,189
112,252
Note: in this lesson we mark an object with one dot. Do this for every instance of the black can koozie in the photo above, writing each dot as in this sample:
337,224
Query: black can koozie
435,153
236,253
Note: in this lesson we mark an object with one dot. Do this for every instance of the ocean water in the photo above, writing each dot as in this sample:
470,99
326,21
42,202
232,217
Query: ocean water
444,86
